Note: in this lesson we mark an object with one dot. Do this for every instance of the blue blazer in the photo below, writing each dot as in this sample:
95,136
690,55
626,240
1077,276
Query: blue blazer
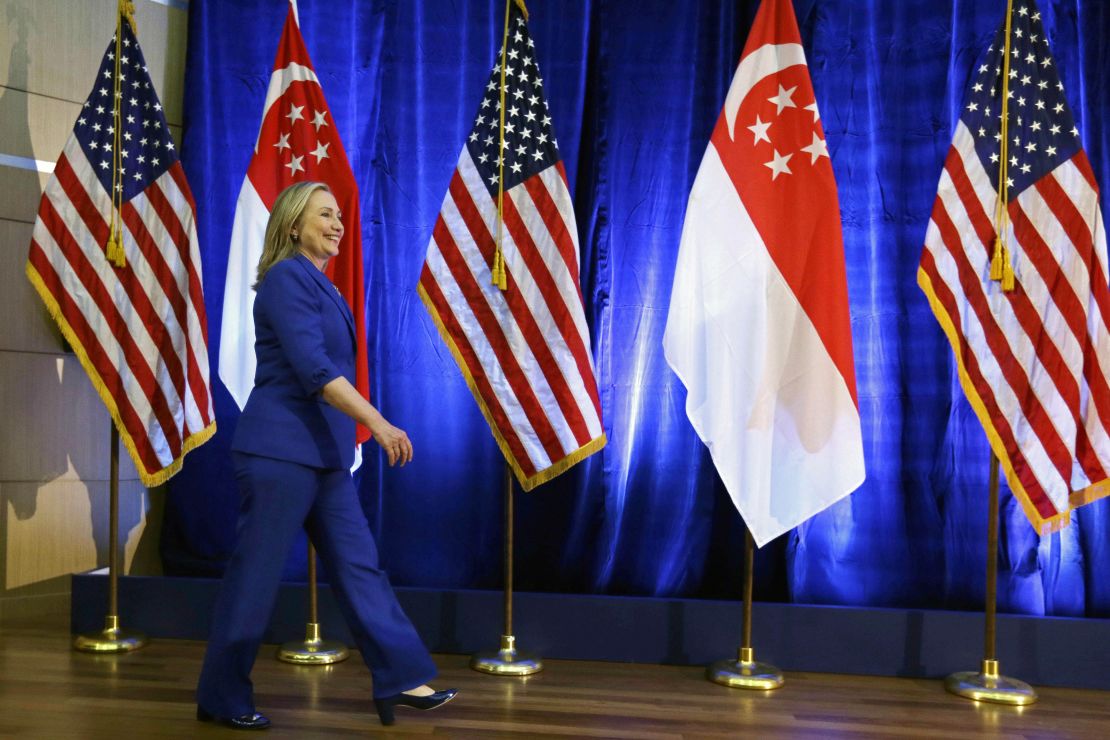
304,339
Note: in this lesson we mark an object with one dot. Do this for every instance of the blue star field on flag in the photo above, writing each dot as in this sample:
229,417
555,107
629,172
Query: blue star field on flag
146,148
1041,131
529,140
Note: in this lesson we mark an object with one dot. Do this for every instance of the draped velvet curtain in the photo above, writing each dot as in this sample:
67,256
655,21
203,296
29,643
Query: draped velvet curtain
635,87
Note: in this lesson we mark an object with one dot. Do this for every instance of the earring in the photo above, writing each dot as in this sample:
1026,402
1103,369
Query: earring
295,237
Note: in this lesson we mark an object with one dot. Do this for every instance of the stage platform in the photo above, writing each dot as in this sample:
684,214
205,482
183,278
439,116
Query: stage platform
907,643
49,691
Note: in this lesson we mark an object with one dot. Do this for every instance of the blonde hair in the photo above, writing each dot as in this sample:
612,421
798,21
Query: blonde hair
288,210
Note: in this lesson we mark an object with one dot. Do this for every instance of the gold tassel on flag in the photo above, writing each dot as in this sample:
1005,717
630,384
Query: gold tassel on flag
998,259
1007,274
1002,269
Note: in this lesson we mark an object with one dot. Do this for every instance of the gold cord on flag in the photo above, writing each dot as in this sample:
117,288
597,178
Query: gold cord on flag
1002,268
114,249
498,275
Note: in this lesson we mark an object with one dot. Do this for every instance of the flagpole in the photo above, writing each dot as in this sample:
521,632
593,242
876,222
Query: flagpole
745,672
507,661
987,684
313,650
112,639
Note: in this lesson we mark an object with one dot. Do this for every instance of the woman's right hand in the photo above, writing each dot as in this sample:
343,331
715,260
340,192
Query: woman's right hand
393,441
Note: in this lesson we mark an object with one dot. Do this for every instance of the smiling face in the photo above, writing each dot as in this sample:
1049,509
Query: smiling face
319,229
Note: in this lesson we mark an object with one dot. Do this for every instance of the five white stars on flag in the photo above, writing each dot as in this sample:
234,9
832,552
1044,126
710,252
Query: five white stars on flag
296,113
780,162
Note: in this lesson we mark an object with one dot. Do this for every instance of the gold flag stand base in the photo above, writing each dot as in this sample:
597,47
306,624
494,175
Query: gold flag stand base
314,650
745,673
988,685
507,661
111,639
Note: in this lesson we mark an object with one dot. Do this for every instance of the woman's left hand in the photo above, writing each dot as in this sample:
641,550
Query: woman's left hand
393,441
342,395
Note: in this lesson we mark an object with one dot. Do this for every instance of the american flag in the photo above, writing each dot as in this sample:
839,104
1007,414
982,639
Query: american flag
297,141
139,329
1033,361
524,350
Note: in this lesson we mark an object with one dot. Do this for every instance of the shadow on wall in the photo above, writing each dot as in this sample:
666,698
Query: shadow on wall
54,501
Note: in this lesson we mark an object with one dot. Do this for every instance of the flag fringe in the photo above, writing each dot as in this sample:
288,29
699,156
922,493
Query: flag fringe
527,483
194,440
1043,525
565,464
1091,493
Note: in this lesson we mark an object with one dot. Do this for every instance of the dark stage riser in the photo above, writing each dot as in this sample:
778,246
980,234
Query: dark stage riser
911,643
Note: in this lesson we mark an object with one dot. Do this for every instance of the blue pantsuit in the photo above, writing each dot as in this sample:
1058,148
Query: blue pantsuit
292,453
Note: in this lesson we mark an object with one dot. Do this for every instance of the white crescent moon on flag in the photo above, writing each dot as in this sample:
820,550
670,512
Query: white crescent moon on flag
764,61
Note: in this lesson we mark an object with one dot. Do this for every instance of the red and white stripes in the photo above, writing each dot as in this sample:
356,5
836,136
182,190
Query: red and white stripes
525,351
140,331
1033,361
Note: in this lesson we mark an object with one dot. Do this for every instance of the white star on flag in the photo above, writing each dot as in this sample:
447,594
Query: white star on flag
783,99
818,148
321,151
778,164
759,128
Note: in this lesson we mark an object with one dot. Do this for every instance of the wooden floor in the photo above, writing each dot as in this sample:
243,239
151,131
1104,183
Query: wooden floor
49,691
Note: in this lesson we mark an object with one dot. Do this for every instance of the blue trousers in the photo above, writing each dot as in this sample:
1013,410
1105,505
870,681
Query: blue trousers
278,499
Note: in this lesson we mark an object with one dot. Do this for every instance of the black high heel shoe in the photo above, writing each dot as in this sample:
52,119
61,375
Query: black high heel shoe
431,701
254,721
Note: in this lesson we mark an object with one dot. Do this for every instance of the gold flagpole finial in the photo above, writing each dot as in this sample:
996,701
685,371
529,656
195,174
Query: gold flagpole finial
127,10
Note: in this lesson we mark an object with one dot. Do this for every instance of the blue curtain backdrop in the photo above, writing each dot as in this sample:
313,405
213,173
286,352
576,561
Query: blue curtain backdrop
635,87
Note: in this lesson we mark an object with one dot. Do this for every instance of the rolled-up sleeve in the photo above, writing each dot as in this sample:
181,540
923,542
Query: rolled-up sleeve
291,303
